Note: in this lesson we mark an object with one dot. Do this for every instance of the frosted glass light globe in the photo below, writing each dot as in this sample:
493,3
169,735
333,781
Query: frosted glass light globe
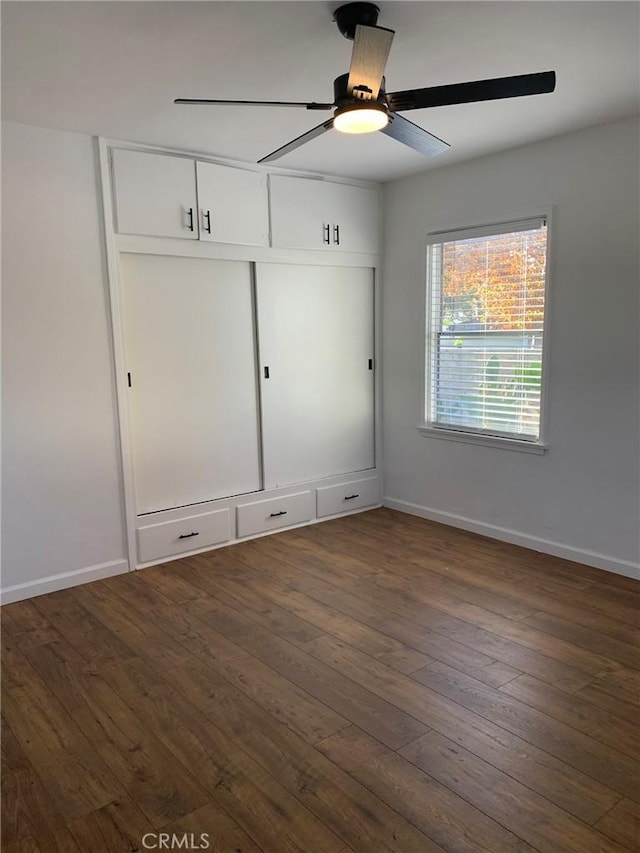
360,119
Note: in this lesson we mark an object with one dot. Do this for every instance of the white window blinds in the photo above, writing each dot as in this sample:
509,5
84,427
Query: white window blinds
485,320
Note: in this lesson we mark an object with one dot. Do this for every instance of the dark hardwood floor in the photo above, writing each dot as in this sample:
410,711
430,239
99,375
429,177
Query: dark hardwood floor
375,683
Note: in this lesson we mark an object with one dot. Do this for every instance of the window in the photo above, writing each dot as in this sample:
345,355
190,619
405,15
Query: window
485,324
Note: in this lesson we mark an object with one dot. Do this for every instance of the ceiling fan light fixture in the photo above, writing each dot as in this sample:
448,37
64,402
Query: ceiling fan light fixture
360,118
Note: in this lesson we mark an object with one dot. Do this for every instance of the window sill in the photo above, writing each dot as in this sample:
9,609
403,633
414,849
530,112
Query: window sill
486,440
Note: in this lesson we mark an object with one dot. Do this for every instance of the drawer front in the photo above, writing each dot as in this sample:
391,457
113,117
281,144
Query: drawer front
331,500
261,516
187,534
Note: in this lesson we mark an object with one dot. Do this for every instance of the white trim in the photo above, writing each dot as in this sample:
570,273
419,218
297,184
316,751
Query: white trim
117,345
512,227
515,537
543,429
498,441
377,374
522,213
175,246
20,591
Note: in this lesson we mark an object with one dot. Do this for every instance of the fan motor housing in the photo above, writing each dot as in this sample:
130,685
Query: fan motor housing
349,16
341,95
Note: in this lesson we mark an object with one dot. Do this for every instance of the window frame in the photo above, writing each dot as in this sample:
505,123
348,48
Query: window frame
469,435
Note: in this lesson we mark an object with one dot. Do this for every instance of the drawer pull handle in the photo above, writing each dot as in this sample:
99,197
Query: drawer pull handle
187,535
274,514
350,497
326,239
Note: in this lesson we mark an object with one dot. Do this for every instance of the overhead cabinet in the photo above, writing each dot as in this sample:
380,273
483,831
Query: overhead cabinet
165,195
311,213
154,194
161,195
232,205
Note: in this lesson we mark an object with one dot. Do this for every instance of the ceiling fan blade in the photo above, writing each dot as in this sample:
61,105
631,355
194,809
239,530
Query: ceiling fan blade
479,90
415,137
298,141
206,102
371,46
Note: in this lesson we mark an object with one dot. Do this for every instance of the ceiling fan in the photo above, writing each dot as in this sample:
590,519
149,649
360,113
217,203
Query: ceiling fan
361,104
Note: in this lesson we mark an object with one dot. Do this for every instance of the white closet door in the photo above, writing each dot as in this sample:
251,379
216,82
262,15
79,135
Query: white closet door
191,355
316,342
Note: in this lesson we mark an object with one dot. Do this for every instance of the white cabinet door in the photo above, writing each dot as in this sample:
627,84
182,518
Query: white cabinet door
318,214
154,194
355,217
316,350
232,204
298,219
191,356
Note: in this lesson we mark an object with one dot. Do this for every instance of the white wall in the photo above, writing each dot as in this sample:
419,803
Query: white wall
580,499
62,515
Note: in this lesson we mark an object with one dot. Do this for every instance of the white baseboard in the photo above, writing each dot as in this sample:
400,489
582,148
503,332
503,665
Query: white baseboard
515,537
62,581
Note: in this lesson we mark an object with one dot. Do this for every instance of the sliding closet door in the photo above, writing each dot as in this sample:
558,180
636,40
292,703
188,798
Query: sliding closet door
316,350
190,348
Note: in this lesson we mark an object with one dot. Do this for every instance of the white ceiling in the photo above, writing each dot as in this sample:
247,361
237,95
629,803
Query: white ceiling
114,68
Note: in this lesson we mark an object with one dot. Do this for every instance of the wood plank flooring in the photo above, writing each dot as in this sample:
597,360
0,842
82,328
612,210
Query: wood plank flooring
372,684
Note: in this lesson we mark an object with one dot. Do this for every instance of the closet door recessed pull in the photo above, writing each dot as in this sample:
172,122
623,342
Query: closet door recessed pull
275,514
370,364
266,372
350,497
190,215
188,535
206,216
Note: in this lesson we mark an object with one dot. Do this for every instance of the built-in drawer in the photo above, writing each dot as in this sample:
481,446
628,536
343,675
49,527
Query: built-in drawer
331,500
186,534
261,516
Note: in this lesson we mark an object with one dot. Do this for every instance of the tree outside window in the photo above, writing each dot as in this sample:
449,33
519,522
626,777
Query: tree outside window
486,330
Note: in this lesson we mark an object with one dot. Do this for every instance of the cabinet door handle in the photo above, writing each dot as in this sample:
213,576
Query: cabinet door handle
336,234
187,535
350,497
206,216
326,239
190,215
275,514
